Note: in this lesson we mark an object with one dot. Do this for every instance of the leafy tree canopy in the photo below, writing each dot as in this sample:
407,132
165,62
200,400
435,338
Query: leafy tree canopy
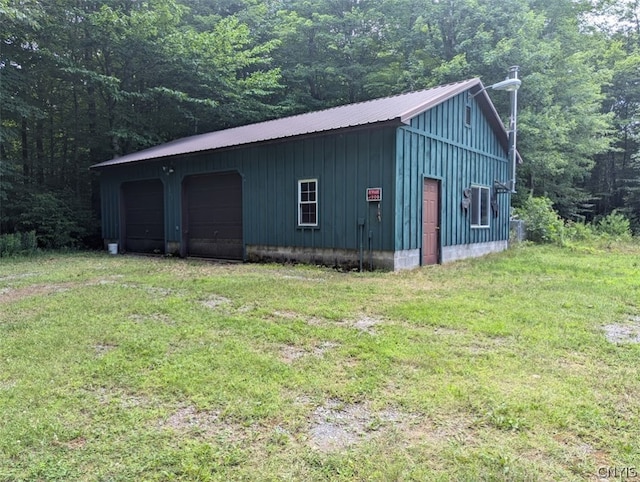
81,82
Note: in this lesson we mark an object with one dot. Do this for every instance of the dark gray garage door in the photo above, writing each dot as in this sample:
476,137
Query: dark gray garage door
143,213
212,216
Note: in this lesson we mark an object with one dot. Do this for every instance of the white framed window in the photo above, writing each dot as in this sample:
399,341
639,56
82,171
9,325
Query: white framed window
308,202
480,206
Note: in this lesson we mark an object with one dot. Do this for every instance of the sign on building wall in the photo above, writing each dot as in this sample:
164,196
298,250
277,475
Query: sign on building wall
374,194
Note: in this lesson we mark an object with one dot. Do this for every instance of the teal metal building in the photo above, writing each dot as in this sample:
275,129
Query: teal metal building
391,183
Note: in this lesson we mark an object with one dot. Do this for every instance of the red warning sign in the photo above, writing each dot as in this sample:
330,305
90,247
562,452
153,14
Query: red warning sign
374,194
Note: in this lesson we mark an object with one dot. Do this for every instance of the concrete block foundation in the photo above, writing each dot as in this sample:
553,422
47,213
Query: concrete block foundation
350,259
462,251
340,258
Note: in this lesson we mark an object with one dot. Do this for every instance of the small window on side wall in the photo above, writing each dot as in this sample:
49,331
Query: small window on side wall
480,207
308,202
467,115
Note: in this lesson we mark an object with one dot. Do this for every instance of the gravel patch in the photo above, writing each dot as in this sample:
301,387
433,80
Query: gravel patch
216,301
12,277
287,315
291,353
620,333
7,385
292,315
123,399
189,417
628,332
102,349
9,295
155,318
205,423
324,347
366,324
336,426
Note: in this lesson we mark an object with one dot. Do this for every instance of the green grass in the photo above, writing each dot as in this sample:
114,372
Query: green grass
136,368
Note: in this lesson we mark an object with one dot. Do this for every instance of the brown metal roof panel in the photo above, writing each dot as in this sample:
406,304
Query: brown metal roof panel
402,107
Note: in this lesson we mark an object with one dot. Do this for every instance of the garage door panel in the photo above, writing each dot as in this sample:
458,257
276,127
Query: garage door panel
219,231
147,217
220,248
213,216
143,230
143,213
225,218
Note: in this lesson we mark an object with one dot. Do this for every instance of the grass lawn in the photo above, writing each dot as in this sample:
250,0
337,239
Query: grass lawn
517,366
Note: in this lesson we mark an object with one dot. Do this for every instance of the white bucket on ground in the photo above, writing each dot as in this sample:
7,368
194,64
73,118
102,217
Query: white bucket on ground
113,248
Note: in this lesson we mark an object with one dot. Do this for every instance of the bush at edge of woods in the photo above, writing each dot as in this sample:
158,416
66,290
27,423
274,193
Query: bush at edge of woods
18,243
544,225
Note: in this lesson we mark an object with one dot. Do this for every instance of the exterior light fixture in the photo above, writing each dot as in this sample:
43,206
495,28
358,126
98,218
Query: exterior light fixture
511,84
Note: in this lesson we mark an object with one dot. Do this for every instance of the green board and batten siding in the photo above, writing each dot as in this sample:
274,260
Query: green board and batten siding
345,164
438,144
430,140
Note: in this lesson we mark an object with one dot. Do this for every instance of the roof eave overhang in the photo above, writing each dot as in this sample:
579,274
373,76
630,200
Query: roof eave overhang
121,161
444,96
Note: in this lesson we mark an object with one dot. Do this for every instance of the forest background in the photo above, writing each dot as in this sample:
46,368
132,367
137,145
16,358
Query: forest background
83,81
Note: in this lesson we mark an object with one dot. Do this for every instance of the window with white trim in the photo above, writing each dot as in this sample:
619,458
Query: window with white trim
480,206
308,202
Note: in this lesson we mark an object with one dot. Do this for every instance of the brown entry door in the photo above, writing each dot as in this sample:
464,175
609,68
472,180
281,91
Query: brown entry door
430,222
213,216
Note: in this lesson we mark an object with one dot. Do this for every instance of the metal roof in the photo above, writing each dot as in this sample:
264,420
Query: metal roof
400,108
